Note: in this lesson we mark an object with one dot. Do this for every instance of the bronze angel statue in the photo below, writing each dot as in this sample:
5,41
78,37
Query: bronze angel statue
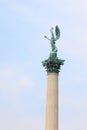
54,38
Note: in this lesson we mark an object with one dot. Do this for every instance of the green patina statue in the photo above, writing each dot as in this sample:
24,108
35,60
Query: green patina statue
53,63
53,39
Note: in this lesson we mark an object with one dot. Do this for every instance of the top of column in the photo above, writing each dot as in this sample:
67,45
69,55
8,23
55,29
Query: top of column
53,63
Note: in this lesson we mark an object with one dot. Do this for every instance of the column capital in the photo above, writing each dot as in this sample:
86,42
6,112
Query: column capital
53,64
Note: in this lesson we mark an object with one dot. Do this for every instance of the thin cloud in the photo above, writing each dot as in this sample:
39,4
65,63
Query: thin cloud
15,6
12,81
22,123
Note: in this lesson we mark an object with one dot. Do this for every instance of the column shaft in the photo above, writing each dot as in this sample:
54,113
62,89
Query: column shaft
52,102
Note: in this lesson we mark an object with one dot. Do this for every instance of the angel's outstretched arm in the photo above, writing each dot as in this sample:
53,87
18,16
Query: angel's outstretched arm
47,38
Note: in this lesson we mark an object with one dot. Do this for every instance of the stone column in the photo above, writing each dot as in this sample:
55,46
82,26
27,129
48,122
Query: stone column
52,102
52,66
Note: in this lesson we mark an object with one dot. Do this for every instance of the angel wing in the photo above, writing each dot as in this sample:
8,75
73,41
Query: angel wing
57,32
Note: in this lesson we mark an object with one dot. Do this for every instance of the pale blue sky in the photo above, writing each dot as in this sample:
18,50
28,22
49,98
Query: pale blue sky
23,25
